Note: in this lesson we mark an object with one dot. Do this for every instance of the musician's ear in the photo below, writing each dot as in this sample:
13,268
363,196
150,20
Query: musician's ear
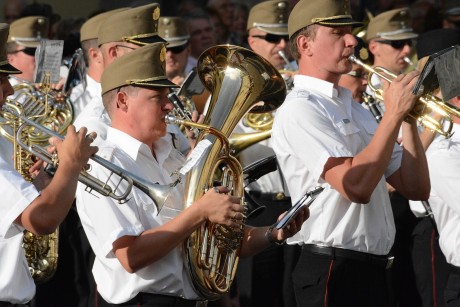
121,100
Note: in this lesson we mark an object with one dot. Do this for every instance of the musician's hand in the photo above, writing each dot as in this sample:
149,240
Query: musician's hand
76,148
293,227
220,208
41,180
398,96
197,118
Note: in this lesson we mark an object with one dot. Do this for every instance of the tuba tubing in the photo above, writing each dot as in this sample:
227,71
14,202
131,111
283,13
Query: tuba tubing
238,79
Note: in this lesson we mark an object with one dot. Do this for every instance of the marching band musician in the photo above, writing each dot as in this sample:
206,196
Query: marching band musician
139,260
356,79
119,34
390,38
323,138
85,92
24,207
267,35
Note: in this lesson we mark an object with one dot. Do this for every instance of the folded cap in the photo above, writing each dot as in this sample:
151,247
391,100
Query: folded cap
28,31
137,25
5,67
173,30
332,13
270,16
434,41
391,25
452,7
145,66
90,29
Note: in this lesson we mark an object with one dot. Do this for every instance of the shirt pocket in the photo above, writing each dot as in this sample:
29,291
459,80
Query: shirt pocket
346,127
369,126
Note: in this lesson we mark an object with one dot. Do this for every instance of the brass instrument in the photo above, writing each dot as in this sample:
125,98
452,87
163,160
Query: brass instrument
158,193
237,79
39,104
445,109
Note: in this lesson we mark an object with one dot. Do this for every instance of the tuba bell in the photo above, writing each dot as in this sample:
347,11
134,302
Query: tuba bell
239,80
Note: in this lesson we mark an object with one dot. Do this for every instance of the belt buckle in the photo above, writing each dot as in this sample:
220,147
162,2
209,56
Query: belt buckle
390,261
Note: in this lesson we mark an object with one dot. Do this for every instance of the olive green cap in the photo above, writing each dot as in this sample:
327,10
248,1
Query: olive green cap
137,25
28,31
270,16
391,25
145,66
330,13
5,67
90,29
173,30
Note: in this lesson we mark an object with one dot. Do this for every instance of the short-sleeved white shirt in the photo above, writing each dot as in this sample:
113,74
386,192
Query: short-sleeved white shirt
104,221
317,122
443,157
81,97
16,283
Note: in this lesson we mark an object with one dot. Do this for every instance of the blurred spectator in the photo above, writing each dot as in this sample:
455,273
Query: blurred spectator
224,10
187,6
12,9
68,30
240,19
201,33
425,16
220,31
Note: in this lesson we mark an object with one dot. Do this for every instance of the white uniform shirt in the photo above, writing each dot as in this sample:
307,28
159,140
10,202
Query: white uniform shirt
317,122
81,97
104,221
16,283
443,157
271,182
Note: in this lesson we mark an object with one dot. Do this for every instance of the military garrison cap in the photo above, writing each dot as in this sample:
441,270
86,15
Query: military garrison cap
90,29
270,16
28,31
173,30
391,25
137,25
145,66
5,67
331,13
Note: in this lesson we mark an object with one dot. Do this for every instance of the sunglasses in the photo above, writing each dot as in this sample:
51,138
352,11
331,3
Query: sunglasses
399,44
273,38
359,74
177,49
28,50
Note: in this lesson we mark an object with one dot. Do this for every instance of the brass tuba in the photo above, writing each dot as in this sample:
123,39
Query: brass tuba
238,79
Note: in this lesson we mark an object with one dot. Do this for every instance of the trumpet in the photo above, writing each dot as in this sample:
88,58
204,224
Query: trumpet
158,193
435,104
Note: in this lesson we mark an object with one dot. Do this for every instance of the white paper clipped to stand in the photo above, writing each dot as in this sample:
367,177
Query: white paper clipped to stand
195,156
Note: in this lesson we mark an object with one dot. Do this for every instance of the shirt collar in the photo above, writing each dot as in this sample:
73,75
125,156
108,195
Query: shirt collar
321,86
134,147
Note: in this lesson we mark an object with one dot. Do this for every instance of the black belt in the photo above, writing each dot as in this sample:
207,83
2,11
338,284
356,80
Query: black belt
380,261
8,304
163,300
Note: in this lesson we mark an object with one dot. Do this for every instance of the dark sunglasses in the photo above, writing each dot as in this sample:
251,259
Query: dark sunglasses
399,44
177,49
273,38
358,74
28,50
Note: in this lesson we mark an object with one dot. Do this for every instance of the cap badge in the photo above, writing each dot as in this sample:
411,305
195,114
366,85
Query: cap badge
163,54
156,13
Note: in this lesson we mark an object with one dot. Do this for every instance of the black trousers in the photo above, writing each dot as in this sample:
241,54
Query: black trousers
430,265
321,281
261,279
73,282
452,292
